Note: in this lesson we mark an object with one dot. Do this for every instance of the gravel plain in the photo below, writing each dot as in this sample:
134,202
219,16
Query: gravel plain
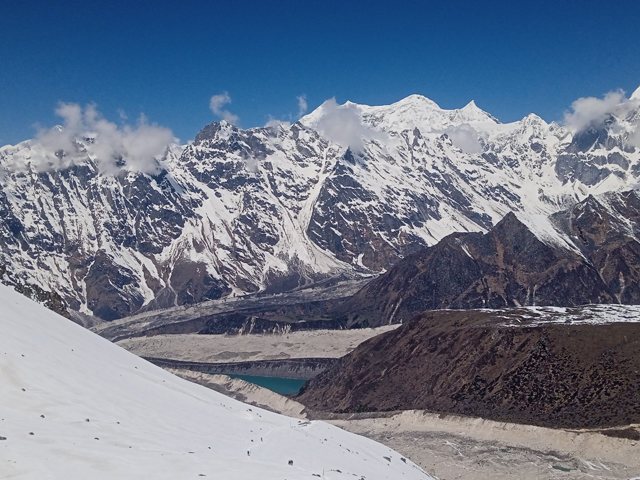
451,447
240,348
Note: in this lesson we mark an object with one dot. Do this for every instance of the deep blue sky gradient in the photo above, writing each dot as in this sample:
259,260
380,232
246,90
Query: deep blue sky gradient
166,58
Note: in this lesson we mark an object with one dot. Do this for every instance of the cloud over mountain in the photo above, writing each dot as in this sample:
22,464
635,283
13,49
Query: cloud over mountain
592,112
217,102
302,104
85,132
464,137
342,124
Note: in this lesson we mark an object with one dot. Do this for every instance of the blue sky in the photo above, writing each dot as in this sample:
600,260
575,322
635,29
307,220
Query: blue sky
167,58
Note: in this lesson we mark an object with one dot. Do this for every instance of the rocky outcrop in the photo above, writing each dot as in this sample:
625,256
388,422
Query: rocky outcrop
607,230
476,363
51,300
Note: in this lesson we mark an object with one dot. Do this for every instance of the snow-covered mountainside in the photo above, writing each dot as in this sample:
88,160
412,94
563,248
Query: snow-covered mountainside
73,405
348,190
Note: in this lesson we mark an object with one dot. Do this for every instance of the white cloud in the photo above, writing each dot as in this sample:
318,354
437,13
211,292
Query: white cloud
274,122
342,124
252,164
302,109
135,148
216,104
302,105
591,111
464,137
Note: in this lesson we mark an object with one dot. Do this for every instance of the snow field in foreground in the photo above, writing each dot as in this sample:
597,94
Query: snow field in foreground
73,405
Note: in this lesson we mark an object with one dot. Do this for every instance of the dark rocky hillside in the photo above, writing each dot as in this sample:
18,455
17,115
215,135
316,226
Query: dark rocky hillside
473,363
589,253
606,229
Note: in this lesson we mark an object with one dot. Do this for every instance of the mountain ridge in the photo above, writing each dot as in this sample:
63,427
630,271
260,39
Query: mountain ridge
560,368
589,253
275,208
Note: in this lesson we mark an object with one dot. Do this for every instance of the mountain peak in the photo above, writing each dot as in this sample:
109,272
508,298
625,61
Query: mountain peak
635,95
419,99
474,113
533,118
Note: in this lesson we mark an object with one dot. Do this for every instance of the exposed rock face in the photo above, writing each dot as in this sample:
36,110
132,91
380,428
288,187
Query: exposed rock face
51,300
597,152
586,254
273,209
471,363
606,229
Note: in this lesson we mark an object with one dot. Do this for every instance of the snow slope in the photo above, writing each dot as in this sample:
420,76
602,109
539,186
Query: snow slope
583,315
75,406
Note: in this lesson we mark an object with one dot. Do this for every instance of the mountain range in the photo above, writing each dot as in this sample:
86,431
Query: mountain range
588,253
347,191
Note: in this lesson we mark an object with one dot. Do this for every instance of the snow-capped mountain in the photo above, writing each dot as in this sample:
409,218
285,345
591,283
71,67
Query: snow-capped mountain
77,406
348,190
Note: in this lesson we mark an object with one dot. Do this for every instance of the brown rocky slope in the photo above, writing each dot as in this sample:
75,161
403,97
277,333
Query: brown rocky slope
589,253
473,363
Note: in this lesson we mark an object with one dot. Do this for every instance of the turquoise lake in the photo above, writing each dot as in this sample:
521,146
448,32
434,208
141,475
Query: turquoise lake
283,386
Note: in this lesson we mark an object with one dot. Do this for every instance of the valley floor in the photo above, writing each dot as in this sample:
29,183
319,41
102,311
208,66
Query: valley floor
242,348
446,446
457,447
452,447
